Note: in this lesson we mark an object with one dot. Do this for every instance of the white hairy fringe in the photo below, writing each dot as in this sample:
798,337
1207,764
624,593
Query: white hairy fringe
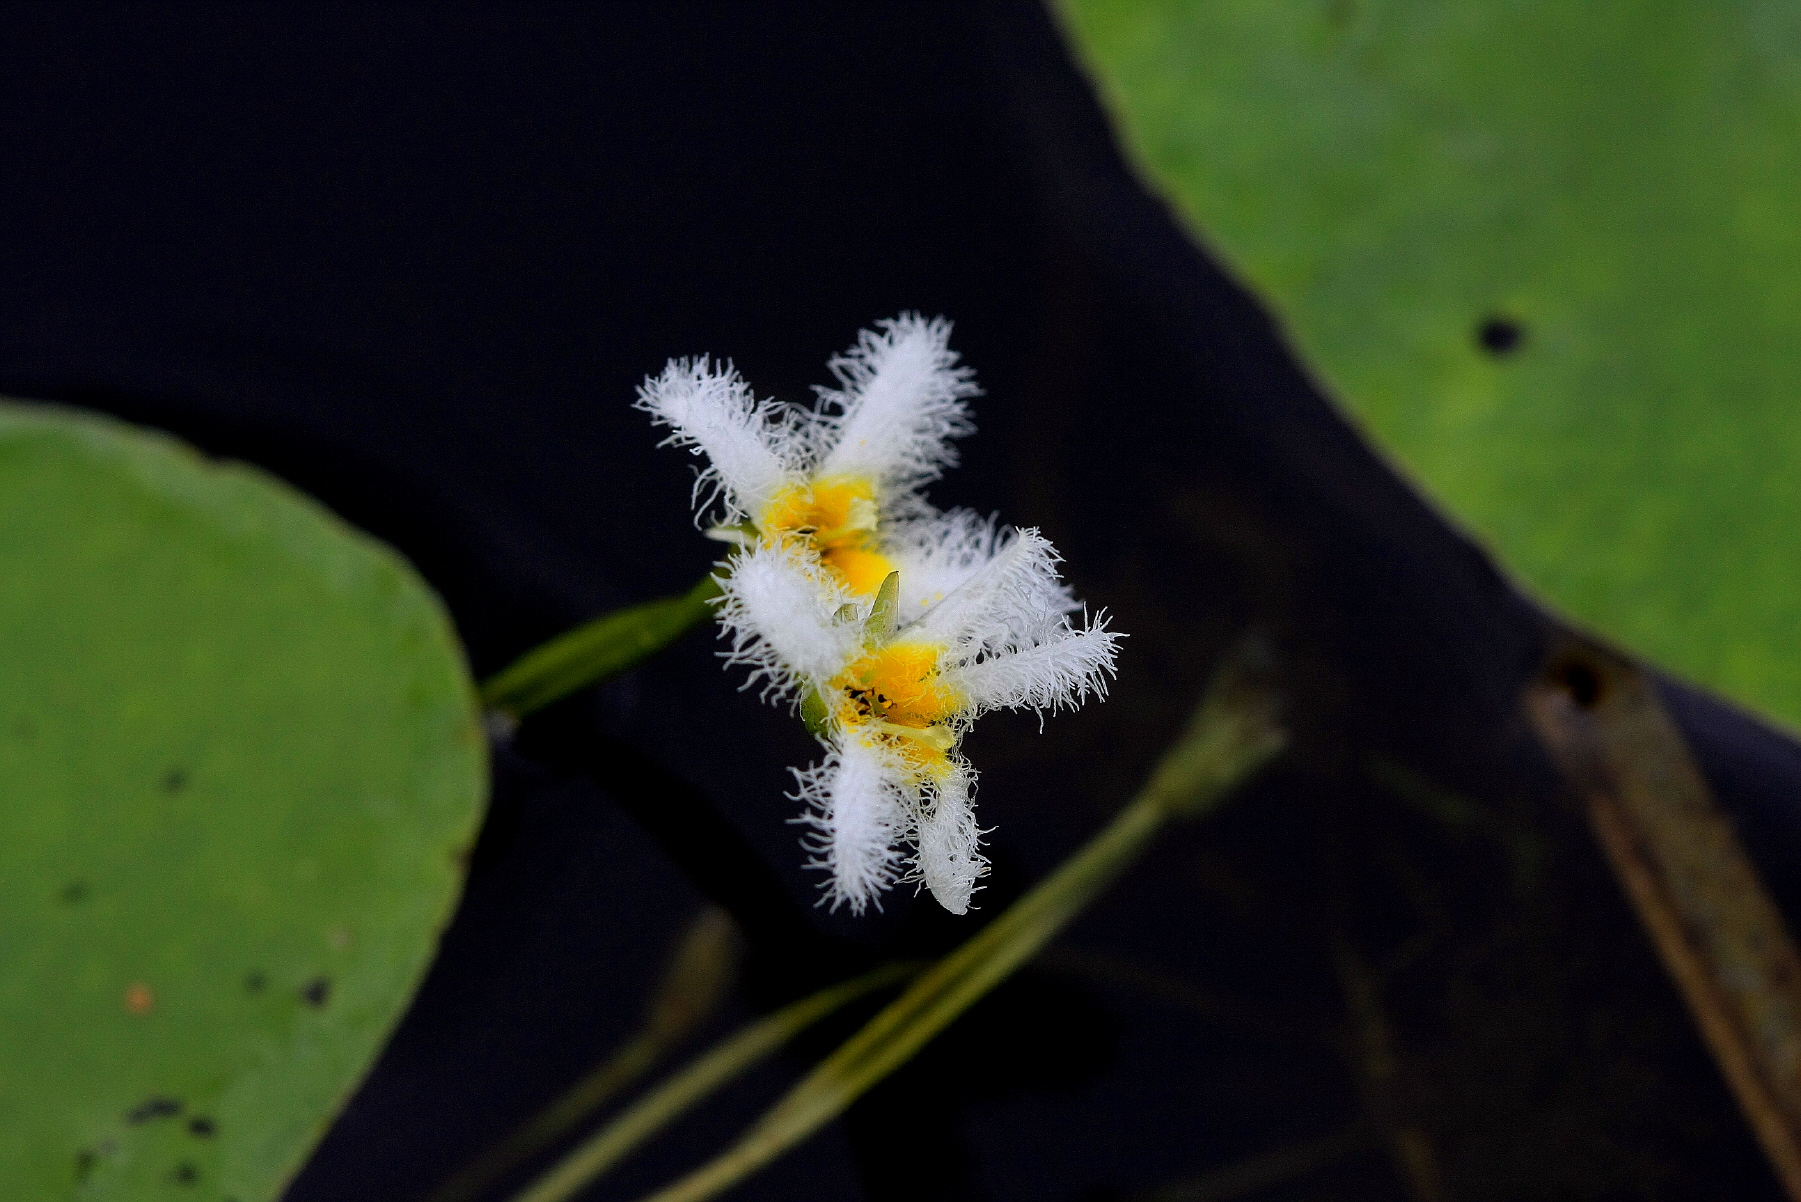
901,403
989,596
937,554
857,809
1065,670
1014,601
752,446
780,611
947,859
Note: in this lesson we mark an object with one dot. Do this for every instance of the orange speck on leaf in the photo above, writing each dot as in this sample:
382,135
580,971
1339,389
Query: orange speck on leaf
139,998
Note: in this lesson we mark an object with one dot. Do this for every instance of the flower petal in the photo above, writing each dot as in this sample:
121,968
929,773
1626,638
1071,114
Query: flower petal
948,861
780,610
901,404
1062,671
937,554
1013,600
856,805
748,444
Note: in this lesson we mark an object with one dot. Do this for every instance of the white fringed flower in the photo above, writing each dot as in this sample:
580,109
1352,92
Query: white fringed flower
821,481
896,625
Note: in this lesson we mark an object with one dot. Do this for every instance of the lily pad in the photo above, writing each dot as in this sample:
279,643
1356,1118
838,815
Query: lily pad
1549,256
240,758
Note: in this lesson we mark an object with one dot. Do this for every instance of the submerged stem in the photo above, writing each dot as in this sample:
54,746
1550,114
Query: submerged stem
702,967
1264,1171
645,1117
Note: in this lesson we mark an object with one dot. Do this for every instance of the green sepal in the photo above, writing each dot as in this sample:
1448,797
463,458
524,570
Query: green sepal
884,615
814,713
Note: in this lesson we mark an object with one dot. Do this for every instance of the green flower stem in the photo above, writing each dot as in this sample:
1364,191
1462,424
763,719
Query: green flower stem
1233,733
596,650
669,1100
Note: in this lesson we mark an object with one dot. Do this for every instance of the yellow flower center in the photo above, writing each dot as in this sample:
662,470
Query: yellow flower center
895,695
836,516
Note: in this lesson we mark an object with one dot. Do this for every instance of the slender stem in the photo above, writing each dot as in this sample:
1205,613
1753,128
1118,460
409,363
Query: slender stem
702,965
1264,1171
596,650
1683,866
901,1029
669,1100
1409,1147
1233,733
629,1062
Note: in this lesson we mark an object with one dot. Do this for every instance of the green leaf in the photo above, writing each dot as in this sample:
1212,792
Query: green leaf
242,762
1621,181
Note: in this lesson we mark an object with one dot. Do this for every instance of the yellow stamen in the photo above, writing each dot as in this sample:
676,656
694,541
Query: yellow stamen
837,516
939,738
896,694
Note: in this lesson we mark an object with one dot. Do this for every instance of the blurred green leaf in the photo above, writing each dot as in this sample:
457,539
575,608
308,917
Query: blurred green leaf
241,761
1612,189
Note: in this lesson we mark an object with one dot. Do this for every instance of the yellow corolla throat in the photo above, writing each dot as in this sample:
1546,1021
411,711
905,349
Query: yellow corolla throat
836,516
896,695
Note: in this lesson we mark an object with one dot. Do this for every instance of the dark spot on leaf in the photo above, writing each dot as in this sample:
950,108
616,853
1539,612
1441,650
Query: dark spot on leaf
201,1126
1500,335
185,1173
316,992
174,780
256,981
153,1108
85,1160
74,893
